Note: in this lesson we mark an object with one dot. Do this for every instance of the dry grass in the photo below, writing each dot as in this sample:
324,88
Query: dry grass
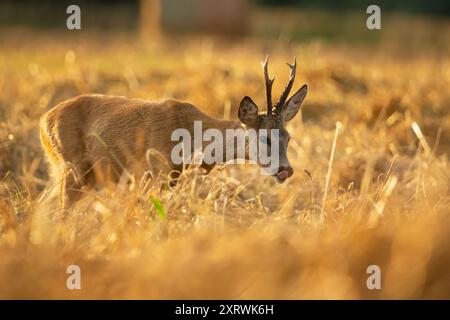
234,233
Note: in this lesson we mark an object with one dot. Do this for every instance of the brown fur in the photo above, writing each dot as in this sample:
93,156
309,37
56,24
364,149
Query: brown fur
91,138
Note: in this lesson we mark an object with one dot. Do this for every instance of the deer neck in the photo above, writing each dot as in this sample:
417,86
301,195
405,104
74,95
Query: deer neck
232,148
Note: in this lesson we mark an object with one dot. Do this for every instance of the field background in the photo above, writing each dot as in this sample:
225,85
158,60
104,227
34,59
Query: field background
235,234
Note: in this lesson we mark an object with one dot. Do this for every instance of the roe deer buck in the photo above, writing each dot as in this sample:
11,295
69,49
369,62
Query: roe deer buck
92,136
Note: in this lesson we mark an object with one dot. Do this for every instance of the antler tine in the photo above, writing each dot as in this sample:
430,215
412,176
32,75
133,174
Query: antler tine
288,87
269,83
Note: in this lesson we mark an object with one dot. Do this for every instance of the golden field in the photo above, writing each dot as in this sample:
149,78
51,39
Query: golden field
383,197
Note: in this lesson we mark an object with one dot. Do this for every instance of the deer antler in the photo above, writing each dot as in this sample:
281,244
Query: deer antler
269,83
288,87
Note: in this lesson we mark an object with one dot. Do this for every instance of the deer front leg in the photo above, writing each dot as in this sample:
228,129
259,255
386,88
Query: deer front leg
71,185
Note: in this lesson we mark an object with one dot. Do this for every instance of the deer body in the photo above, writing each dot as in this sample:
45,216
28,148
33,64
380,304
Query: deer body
94,137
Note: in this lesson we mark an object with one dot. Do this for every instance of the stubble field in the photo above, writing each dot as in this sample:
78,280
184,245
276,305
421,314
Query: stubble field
383,199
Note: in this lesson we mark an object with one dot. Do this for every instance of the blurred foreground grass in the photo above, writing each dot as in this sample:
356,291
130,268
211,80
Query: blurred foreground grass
234,233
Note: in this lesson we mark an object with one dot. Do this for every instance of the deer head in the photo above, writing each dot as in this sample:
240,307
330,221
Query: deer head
275,118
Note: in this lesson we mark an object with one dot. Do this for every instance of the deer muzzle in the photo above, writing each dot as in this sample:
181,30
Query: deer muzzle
283,173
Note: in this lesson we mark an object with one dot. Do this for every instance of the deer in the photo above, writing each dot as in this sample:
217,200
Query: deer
93,136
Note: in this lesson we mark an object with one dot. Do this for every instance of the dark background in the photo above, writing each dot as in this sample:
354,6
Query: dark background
122,14
438,7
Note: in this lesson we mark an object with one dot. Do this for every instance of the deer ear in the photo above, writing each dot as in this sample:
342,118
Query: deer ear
248,112
291,108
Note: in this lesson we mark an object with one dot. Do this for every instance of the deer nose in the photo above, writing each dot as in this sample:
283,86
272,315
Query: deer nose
284,172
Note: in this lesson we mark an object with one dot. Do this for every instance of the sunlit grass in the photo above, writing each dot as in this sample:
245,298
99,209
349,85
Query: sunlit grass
234,233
